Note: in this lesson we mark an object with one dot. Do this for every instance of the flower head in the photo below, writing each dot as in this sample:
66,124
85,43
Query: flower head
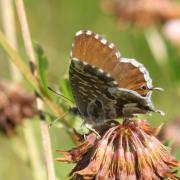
142,12
15,104
125,152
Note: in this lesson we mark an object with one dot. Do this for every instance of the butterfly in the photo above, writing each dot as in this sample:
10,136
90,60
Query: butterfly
105,85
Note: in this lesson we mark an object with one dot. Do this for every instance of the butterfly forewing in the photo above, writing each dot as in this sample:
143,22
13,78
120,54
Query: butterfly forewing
135,78
92,49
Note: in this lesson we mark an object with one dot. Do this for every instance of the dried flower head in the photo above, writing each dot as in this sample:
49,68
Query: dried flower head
15,104
143,12
125,151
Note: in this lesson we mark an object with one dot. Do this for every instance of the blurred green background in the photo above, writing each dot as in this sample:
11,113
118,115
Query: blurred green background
53,24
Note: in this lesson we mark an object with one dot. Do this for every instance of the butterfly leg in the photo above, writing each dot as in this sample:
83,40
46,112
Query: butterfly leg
83,124
127,119
93,130
90,128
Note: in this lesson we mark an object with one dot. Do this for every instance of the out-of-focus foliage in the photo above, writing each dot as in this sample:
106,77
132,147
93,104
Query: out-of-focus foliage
53,25
42,64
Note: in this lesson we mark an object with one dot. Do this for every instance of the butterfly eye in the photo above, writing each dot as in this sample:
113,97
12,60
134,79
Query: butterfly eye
143,87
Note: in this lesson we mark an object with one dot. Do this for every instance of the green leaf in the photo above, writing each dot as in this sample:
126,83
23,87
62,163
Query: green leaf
42,63
65,89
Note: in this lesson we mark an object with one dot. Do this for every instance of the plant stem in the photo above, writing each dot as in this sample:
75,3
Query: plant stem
37,166
46,141
10,32
40,106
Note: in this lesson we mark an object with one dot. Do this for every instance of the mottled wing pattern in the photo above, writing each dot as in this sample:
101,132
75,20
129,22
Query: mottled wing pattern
89,86
92,49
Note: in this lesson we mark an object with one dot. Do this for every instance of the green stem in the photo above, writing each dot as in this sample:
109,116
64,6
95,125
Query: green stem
32,149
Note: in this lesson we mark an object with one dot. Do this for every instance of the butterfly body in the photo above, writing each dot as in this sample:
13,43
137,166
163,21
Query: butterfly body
105,85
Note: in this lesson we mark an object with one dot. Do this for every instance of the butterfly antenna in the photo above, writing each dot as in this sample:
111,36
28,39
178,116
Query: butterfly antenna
157,88
57,119
160,112
59,94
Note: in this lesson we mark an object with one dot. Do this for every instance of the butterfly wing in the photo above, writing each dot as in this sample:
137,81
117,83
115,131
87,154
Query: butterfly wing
92,49
89,87
96,66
